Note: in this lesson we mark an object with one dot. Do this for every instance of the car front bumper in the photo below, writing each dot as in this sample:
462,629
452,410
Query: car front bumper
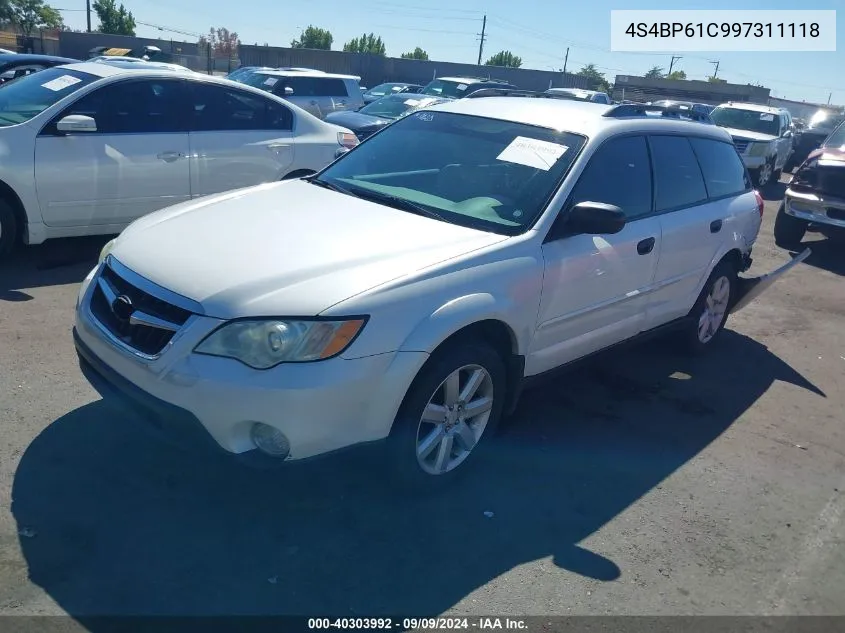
815,208
320,407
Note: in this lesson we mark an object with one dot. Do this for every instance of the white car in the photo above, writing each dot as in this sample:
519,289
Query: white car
90,147
409,290
762,135
584,95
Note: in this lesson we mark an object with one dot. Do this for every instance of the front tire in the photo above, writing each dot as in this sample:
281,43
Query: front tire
763,175
789,230
449,414
711,310
8,229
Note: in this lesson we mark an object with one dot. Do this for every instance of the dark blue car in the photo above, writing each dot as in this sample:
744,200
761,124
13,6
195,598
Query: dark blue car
371,118
16,65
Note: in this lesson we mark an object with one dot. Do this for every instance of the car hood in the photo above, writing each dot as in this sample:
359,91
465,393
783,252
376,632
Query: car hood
749,135
356,121
289,248
833,155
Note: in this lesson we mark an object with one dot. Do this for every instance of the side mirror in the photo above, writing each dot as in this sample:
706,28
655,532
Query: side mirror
77,123
787,134
594,218
288,91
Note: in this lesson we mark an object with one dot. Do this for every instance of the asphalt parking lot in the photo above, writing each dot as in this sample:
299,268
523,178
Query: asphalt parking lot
643,482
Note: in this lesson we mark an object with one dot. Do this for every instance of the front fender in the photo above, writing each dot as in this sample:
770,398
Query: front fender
460,313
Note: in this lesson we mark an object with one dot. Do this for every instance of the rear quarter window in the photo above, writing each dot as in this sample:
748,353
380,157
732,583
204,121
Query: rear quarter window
724,173
330,88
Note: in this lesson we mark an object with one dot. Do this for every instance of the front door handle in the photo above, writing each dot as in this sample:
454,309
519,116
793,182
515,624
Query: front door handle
169,157
645,246
715,226
277,146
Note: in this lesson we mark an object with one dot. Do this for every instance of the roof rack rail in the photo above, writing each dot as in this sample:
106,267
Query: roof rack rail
516,92
641,110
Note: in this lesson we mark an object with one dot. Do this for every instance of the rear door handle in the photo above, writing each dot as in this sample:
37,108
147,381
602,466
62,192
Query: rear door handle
645,246
715,226
169,157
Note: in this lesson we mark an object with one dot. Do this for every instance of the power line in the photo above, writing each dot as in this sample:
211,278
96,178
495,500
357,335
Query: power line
409,6
402,28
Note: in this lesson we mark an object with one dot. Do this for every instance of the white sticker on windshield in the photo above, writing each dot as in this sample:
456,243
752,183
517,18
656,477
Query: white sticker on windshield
412,103
532,152
271,81
461,87
767,117
60,83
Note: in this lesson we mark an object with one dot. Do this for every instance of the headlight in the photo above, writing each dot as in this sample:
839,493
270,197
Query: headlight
267,343
758,149
106,250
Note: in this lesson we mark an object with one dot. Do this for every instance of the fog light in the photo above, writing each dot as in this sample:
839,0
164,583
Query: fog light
270,440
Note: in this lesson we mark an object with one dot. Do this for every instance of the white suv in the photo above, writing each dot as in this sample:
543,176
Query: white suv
409,290
312,90
763,137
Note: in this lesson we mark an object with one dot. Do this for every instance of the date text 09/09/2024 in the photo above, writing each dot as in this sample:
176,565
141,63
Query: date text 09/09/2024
724,29
419,624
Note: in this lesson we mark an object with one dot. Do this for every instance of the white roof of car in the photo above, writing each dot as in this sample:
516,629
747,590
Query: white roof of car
580,117
575,91
463,80
305,73
753,107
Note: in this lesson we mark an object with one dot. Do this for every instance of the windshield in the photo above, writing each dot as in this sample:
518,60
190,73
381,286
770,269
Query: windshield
394,106
837,139
383,89
447,89
482,173
29,96
750,120
824,122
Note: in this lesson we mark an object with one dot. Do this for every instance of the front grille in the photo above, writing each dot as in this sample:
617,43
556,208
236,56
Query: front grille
831,181
147,340
741,145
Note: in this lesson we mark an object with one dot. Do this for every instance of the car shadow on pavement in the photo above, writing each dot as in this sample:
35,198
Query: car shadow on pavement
121,524
56,262
827,253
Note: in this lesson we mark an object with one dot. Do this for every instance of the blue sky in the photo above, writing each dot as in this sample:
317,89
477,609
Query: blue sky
539,31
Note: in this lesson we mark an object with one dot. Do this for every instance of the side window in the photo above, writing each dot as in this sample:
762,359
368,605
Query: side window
677,176
134,107
330,88
301,86
618,174
724,173
219,109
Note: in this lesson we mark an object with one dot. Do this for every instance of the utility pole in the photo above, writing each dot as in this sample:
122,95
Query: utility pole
716,70
88,13
672,63
565,59
481,43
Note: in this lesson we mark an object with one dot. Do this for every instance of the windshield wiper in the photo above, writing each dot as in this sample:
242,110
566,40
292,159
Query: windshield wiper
396,202
325,184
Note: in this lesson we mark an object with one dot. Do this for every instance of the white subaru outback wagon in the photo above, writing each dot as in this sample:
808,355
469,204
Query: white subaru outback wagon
406,292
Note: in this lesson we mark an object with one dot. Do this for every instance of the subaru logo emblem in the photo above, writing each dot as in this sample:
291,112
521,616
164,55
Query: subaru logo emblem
122,308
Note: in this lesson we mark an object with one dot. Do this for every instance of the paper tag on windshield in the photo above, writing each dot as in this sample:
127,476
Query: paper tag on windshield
532,152
461,87
271,81
767,117
412,102
60,83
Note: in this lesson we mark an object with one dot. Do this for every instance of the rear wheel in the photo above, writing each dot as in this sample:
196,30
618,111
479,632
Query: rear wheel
789,230
8,229
710,312
449,413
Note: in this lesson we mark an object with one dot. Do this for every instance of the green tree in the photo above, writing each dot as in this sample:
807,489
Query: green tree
678,74
656,72
716,80
30,15
222,42
314,37
417,53
596,79
504,58
113,19
6,13
366,44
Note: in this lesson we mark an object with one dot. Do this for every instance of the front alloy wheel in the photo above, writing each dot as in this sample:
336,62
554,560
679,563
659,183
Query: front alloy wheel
454,419
764,174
